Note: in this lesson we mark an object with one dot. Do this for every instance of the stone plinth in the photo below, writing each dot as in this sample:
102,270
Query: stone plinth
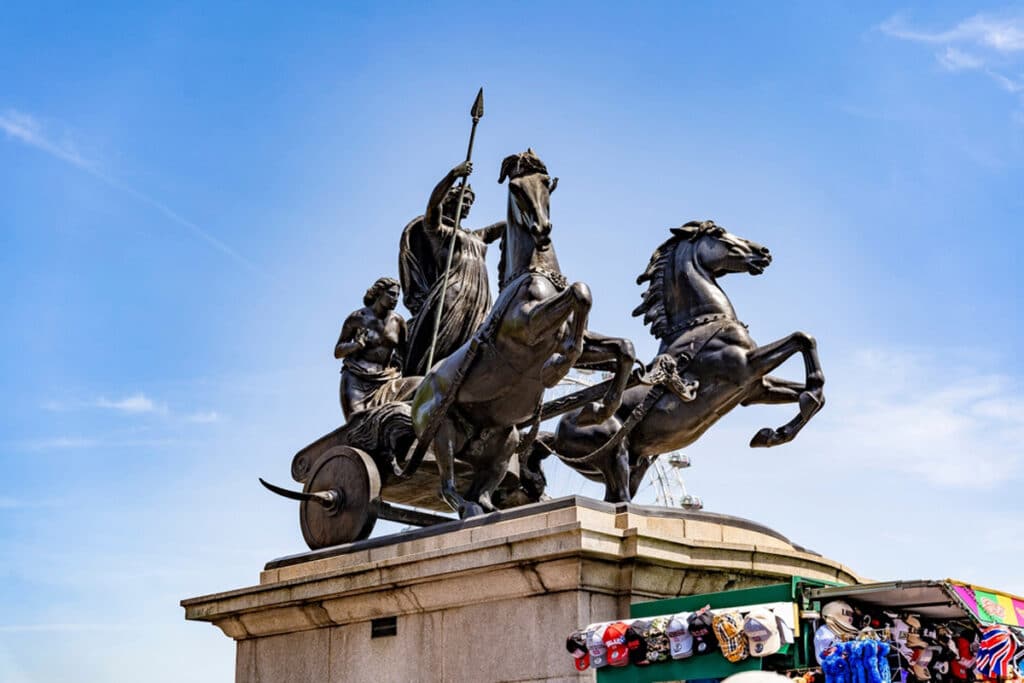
490,599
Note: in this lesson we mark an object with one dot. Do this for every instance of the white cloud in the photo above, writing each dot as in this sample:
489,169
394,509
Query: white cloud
958,60
28,130
134,404
996,43
951,425
1003,34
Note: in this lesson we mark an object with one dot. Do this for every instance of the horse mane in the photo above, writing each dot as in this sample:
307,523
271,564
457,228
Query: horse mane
659,272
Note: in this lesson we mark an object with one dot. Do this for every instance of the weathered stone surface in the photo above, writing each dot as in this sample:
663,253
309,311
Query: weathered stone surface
530,578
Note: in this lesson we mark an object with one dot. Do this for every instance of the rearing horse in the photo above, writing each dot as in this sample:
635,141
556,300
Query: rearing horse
691,315
469,404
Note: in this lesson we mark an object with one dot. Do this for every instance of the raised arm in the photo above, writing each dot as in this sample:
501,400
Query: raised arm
435,205
491,233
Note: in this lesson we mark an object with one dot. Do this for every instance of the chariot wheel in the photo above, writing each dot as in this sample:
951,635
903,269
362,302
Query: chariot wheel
348,511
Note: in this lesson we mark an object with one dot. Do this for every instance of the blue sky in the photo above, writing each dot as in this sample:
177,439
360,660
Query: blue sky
192,198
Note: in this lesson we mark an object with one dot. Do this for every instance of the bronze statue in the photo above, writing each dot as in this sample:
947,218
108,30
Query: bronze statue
701,338
421,261
469,406
478,409
372,344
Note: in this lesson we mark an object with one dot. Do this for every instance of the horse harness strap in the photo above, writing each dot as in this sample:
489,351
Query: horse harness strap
665,375
698,321
485,334
553,276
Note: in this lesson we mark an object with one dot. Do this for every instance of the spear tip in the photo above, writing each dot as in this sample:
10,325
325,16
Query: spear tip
478,105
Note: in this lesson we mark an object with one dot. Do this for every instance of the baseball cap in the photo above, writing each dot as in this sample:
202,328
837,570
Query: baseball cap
839,616
658,644
576,644
700,628
595,643
728,627
914,639
615,642
636,641
679,638
762,630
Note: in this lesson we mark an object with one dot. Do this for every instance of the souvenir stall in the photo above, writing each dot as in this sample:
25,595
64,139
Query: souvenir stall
903,631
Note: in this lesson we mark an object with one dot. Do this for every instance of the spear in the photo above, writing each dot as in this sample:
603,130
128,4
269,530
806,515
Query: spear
477,112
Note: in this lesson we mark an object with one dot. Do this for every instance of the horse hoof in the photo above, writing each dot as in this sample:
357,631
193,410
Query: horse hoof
763,439
467,510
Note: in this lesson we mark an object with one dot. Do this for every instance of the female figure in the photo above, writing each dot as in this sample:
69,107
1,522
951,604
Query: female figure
372,343
422,258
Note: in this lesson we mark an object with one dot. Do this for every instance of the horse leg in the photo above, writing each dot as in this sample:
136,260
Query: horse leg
774,391
764,359
543,320
636,474
531,475
615,473
487,479
446,444
599,349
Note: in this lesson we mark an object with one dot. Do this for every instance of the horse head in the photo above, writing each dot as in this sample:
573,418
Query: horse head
720,252
530,190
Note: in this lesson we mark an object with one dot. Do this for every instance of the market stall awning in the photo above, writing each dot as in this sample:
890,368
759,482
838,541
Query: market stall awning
946,599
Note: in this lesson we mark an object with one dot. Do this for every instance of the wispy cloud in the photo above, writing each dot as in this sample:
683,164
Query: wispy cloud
955,59
134,404
951,425
28,130
1000,33
986,43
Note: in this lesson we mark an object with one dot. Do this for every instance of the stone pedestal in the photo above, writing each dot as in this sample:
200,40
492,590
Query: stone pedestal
489,599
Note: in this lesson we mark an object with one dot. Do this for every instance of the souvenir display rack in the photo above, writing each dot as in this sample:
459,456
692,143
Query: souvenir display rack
983,610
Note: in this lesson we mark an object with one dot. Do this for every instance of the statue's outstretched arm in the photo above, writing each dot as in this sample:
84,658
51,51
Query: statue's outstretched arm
491,233
435,205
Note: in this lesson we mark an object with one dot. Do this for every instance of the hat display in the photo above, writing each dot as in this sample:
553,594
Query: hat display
762,631
576,644
728,627
636,641
658,644
919,663
700,628
615,643
679,637
595,643
839,616
914,636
